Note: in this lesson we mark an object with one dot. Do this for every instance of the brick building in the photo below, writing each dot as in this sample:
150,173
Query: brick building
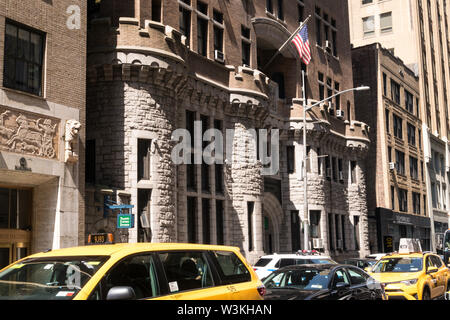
42,125
156,66
417,32
396,181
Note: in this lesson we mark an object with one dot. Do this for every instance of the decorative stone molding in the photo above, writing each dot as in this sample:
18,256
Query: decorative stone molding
71,140
23,132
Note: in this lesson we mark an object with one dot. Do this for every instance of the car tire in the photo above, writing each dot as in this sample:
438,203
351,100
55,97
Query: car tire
426,294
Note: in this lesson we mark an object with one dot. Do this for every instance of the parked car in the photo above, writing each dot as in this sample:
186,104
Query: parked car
361,263
322,282
133,271
269,263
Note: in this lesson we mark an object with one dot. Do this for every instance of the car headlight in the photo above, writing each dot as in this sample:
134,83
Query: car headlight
409,282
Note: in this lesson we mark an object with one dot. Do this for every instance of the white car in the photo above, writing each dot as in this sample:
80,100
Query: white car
266,264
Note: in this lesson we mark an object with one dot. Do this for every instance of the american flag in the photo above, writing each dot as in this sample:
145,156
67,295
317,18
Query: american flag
301,42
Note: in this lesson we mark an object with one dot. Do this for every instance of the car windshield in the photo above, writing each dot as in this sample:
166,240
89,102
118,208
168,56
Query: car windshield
48,279
398,265
304,279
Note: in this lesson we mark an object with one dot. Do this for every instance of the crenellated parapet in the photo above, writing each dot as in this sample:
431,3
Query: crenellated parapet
158,54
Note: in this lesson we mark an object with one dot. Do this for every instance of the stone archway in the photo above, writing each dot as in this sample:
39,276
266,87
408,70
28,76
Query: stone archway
272,219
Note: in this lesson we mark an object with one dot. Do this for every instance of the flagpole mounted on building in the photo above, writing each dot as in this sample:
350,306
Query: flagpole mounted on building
303,24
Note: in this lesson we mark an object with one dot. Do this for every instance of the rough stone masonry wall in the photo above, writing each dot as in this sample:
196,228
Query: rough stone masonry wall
125,111
246,184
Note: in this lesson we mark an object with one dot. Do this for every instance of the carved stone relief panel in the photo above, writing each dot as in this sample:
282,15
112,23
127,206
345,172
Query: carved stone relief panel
28,133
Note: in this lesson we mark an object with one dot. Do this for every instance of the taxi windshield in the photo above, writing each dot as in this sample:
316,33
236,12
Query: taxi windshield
58,278
398,265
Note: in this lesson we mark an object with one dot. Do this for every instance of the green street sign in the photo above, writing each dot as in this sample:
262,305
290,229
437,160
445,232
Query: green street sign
125,221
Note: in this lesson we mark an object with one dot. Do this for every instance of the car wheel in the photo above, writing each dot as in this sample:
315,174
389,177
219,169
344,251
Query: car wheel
426,294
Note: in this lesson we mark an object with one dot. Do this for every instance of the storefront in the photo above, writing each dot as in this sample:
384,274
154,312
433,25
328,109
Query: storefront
391,226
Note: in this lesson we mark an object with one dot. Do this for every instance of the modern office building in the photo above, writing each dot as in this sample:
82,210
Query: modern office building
426,52
157,66
42,126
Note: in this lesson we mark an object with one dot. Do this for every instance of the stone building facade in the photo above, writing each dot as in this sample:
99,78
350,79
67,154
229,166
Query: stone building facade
42,126
396,176
157,66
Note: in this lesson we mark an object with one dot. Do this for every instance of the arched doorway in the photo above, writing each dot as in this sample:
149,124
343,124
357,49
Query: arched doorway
272,216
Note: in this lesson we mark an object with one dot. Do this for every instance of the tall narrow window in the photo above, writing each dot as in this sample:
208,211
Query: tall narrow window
218,30
246,45
192,219
156,10
23,59
205,168
402,200
144,159
218,168
356,231
280,10
400,162
411,134
384,84
398,126
220,222
321,86
314,223
269,6
395,92
295,230
386,22
250,207
185,23
290,157
202,36
190,168
318,27
206,221
353,171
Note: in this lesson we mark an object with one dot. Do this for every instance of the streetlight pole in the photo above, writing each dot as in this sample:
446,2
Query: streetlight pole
305,173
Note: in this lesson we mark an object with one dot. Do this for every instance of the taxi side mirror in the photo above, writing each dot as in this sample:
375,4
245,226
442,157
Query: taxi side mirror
432,270
121,293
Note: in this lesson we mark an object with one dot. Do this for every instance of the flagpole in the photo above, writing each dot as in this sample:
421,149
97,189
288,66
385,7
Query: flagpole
305,172
287,41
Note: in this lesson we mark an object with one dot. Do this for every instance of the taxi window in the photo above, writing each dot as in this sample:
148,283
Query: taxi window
231,269
186,270
437,261
137,272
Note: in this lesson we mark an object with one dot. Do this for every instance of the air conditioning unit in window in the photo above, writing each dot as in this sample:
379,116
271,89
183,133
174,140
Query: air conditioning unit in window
317,243
340,114
328,45
392,166
219,56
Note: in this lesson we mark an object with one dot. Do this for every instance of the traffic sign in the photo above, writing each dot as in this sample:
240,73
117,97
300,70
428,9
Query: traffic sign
125,221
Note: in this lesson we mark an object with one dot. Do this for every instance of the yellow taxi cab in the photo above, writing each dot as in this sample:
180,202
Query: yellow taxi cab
133,271
412,275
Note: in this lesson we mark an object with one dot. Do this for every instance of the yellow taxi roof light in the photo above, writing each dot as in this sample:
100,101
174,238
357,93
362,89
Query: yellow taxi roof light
408,245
